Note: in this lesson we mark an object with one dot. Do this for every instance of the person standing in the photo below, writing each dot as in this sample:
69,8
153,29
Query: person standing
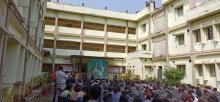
61,78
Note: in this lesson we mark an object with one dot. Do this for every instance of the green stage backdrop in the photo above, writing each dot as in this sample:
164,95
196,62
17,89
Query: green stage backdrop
97,69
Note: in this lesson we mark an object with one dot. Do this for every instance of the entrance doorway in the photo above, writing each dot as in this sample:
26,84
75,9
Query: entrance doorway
159,73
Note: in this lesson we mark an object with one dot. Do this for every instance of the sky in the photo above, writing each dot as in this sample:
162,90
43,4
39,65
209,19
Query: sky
116,5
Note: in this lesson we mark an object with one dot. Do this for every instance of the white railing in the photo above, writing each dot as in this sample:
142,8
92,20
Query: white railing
116,35
49,28
116,55
67,52
203,9
69,30
140,54
94,32
132,37
93,53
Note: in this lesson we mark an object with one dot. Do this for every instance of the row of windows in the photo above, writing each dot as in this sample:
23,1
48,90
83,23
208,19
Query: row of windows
88,25
208,31
93,47
86,46
131,49
69,23
93,26
209,67
62,44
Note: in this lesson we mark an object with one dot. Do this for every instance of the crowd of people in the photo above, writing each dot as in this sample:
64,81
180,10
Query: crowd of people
131,91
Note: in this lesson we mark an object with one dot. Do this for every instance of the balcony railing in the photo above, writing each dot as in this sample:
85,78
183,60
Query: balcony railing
203,9
140,54
115,55
69,30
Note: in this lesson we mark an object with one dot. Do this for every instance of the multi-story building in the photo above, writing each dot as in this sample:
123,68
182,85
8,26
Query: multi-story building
21,38
181,34
193,33
78,34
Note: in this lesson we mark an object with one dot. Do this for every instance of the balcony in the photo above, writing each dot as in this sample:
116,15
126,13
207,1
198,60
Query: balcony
68,30
204,9
63,52
93,53
49,28
140,54
117,35
115,55
94,33
132,37
67,52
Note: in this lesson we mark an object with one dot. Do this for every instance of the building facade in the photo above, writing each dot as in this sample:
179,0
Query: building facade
21,38
181,34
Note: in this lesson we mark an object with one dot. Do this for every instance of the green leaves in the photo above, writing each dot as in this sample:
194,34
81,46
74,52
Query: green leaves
173,76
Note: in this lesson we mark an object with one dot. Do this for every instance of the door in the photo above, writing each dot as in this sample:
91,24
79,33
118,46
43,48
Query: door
160,73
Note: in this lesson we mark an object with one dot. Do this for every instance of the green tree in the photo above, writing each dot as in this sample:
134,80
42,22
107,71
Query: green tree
128,75
173,76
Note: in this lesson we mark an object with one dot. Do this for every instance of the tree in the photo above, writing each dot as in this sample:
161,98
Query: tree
128,75
173,76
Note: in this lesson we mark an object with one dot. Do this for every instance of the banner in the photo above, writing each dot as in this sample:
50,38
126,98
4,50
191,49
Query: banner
97,69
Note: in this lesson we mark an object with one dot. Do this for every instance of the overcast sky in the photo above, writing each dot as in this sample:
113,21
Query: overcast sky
116,5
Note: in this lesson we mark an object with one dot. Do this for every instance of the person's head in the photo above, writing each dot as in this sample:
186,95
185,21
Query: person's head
118,89
95,91
123,98
107,98
73,73
214,89
137,99
77,88
69,87
60,68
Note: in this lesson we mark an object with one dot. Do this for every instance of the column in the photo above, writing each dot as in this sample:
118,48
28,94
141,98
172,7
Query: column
3,45
54,43
82,34
126,32
215,32
203,35
105,37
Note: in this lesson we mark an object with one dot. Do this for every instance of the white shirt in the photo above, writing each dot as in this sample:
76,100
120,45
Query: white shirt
61,77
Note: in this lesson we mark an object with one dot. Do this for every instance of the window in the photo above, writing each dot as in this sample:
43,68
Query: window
197,35
67,45
69,23
218,27
93,47
182,68
179,11
93,26
132,31
49,21
209,32
117,29
143,27
115,48
48,43
200,70
131,49
180,39
211,68
144,47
